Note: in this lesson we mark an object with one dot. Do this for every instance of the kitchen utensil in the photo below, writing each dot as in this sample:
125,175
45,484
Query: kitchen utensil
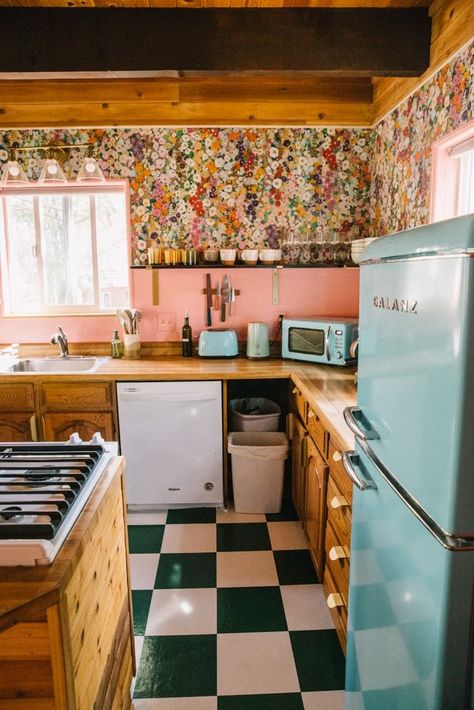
257,340
209,299
217,302
225,296
232,301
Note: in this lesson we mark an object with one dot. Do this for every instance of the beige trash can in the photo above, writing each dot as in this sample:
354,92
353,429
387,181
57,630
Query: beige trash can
258,467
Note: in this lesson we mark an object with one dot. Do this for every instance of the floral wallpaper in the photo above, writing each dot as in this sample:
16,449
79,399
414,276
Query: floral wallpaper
402,143
258,187
227,187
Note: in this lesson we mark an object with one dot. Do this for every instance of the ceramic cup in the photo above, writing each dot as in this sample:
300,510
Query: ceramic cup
228,256
210,255
277,255
249,256
131,346
267,256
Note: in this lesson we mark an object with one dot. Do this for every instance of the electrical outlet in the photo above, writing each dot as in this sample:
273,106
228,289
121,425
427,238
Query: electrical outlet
166,321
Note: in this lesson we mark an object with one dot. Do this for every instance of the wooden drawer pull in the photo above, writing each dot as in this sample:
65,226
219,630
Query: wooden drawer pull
337,553
339,502
334,600
337,456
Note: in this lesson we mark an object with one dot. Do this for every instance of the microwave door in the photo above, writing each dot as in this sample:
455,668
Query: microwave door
306,341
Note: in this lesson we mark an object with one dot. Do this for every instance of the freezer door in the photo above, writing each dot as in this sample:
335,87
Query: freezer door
409,644
416,379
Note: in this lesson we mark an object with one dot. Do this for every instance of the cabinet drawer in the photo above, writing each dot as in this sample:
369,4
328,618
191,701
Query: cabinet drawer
337,562
339,512
338,472
316,430
17,398
299,404
337,608
76,397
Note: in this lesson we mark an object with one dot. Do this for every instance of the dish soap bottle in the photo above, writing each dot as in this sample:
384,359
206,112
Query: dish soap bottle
116,345
187,337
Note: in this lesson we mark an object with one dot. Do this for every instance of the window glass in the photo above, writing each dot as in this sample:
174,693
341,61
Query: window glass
64,251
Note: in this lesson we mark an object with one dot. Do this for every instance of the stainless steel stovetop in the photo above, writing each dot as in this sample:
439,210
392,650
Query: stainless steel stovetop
43,488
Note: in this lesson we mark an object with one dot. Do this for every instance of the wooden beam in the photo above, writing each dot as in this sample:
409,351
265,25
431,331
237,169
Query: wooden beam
332,41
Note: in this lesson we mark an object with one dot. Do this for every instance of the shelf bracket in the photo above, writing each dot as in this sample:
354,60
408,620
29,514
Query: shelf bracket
276,285
155,291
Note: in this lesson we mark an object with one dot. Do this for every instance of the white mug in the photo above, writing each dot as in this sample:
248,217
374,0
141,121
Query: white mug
250,256
267,256
228,256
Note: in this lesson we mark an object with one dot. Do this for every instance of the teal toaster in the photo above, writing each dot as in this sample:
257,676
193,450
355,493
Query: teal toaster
219,342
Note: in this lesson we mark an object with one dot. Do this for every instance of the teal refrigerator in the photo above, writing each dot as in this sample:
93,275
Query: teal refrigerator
411,601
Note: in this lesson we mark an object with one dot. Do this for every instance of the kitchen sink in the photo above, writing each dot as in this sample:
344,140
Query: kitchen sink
70,363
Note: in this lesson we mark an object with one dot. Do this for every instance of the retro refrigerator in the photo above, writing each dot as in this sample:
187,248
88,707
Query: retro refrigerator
411,602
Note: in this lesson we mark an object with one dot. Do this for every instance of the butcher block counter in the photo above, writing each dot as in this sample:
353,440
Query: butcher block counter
66,638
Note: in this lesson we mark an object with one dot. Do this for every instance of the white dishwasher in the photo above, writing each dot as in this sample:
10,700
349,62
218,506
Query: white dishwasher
171,437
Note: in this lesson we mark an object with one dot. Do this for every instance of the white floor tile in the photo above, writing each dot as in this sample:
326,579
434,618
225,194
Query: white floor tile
324,700
287,536
158,518
246,569
182,611
305,607
254,663
230,516
138,654
143,569
189,538
197,703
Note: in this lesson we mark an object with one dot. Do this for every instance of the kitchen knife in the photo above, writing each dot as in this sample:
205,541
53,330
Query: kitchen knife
209,299
225,296
232,301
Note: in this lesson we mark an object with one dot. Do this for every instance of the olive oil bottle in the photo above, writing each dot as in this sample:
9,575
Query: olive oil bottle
187,337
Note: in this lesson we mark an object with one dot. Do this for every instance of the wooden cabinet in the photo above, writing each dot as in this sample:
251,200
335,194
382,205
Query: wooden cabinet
85,407
71,645
322,495
17,412
315,508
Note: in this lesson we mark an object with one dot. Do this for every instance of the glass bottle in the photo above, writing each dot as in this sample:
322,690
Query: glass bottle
116,345
187,337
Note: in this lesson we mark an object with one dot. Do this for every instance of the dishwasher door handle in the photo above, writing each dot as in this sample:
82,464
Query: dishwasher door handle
132,396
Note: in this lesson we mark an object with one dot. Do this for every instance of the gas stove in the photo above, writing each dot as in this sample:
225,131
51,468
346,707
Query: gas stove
43,488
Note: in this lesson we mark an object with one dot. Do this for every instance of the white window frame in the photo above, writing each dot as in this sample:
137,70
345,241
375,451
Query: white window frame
70,188
446,190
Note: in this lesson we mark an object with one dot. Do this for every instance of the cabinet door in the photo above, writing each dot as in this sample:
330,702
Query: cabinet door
59,426
17,427
315,509
298,459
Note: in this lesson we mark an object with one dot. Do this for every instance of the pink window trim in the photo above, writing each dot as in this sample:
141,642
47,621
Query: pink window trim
445,172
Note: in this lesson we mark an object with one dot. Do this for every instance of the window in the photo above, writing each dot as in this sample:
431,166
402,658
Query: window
64,250
453,174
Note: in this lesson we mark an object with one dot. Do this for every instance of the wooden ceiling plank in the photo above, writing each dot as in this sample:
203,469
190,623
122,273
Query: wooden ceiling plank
180,113
329,40
43,92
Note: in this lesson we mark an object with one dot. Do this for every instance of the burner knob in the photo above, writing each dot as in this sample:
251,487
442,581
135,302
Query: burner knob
97,438
74,439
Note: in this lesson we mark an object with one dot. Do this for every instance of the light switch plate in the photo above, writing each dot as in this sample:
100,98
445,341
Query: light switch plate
166,321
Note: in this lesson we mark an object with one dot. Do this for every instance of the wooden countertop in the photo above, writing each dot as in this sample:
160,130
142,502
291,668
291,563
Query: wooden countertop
26,591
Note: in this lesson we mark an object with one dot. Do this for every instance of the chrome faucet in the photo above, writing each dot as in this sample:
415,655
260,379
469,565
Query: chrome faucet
60,338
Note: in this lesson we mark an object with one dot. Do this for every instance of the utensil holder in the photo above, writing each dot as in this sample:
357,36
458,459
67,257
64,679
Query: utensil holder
131,346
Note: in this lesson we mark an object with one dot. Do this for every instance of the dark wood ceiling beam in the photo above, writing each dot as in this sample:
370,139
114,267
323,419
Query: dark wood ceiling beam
332,41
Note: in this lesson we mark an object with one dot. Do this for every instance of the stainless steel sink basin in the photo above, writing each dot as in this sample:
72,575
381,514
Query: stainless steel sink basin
58,364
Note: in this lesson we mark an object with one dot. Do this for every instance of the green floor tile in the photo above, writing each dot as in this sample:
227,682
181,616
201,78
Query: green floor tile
234,537
287,512
186,570
319,660
191,515
272,701
141,599
145,538
250,609
177,666
294,567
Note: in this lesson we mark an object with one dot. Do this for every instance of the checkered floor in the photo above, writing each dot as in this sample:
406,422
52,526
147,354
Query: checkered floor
229,614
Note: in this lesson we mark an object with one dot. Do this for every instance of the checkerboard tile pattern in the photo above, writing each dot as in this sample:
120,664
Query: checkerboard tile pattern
229,614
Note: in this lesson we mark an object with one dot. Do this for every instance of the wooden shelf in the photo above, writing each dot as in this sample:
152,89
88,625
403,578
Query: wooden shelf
172,267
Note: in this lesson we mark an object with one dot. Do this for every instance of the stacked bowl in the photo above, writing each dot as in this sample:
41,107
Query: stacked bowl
358,247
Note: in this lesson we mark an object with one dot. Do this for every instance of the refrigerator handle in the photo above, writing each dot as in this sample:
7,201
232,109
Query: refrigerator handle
350,417
349,460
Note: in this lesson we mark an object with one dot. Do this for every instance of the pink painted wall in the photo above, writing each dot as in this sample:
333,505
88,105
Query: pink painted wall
302,292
